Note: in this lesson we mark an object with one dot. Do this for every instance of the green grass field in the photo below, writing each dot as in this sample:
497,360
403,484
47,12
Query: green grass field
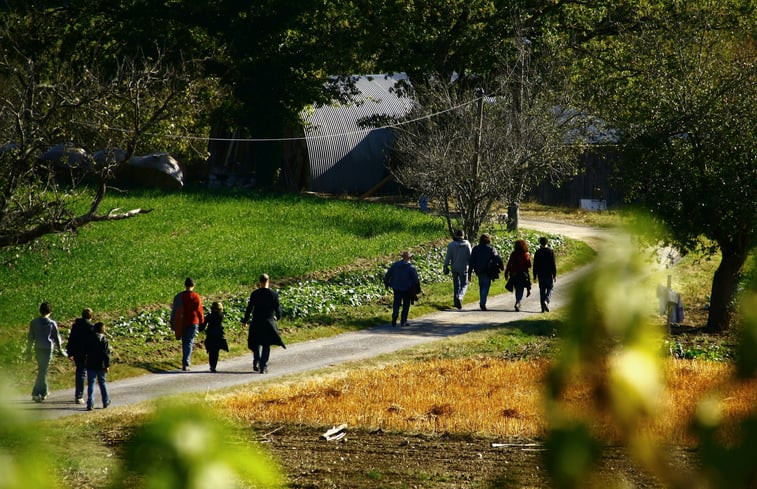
224,241
326,257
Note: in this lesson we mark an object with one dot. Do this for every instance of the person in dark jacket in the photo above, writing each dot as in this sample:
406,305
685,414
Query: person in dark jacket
458,257
545,272
263,310
98,363
80,331
517,268
484,260
402,278
43,338
214,339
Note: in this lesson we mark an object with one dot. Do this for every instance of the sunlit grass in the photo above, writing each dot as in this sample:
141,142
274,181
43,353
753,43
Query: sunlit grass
483,395
223,240
241,234
468,395
608,218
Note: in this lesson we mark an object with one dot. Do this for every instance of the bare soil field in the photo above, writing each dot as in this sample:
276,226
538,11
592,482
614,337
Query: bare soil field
374,459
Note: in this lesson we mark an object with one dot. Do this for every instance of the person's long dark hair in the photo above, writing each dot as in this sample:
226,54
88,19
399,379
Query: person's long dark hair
520,246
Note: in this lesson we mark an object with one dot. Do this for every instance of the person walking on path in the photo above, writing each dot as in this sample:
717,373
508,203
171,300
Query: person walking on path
98,363
186,317
80,331
402,278
263,310
517,270
484,260
215,340
43,338
457,258
545,272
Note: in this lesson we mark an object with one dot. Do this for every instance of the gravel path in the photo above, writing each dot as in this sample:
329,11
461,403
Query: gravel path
327,352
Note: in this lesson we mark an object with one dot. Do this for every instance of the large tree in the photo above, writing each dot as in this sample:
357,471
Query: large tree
679,79
468,149
275,58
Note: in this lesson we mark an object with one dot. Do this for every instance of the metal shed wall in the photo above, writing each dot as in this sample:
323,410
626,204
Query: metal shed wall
344,157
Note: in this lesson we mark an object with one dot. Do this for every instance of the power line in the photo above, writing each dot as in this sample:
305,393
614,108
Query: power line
302,138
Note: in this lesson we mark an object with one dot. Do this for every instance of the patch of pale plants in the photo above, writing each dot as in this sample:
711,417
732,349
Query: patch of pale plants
483,395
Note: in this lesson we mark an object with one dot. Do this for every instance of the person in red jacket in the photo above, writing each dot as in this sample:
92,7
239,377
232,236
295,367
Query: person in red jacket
517,269
186,317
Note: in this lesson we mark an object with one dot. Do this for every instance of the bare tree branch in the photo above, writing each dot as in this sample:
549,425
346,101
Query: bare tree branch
474,153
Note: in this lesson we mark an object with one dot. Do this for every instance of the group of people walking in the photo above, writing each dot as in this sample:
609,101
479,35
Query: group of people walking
463,260
261,316
88,347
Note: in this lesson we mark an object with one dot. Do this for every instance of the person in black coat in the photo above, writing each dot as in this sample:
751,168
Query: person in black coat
402,278
80,331
263,310
214,339
482,257
545,271
98,363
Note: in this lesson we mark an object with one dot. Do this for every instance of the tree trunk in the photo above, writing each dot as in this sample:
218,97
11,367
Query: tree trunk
724,285
512,216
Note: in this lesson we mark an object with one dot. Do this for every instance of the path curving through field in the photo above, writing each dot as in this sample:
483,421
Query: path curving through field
328,352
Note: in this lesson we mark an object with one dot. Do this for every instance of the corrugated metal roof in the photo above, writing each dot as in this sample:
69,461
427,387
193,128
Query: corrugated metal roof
345,157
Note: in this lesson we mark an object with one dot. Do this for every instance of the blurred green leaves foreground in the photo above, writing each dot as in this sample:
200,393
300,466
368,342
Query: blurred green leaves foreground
610,345
182,446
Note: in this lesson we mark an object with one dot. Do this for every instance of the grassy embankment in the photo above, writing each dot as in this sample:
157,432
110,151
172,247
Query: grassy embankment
131,269
326,256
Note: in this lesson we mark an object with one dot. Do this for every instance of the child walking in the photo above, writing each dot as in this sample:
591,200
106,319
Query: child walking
215,340
97,363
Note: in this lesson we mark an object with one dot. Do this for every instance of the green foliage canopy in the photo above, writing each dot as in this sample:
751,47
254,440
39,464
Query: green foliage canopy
679,80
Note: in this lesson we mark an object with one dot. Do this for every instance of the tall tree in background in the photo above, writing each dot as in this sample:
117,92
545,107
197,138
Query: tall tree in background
276,58
448,38
679,79
480,150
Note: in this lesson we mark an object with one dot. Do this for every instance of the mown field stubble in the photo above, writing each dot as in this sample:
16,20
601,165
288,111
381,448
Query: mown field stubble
488,396
456,422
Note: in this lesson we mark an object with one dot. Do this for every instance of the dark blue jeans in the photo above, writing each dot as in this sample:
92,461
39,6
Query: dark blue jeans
401,298
460,284
79,377
545,294
519,293
484,283
187,343
93,374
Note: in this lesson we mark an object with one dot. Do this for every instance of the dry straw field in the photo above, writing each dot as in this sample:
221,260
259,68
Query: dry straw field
484,395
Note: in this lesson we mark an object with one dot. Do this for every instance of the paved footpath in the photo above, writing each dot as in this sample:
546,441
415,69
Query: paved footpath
327,352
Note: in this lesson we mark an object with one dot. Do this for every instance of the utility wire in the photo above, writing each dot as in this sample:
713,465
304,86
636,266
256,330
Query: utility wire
302,138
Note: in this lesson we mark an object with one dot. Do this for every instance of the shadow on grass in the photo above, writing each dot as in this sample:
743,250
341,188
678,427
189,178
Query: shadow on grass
156,367
538,327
